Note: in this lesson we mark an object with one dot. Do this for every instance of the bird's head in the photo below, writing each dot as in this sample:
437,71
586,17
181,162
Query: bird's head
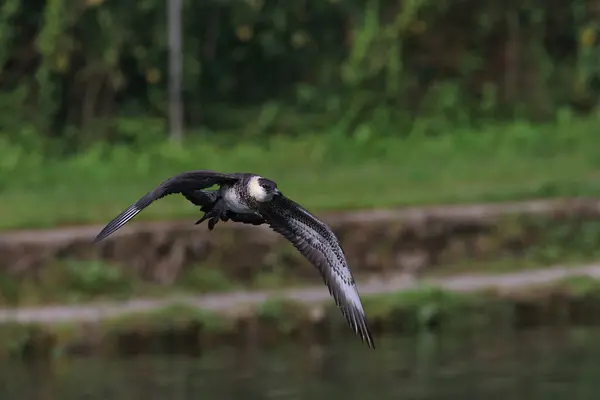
262,189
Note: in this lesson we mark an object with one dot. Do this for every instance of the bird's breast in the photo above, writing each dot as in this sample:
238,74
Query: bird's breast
235,202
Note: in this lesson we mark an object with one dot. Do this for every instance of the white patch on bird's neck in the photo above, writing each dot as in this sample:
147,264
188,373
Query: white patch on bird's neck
255,190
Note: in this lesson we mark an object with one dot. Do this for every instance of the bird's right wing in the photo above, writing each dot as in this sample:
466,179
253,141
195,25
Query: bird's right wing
184,182
317,242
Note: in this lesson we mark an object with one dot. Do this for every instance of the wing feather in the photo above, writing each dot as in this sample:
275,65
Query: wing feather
186,182
317,242
204,199
251,219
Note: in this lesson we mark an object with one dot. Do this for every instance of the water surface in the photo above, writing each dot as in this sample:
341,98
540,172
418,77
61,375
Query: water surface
540,364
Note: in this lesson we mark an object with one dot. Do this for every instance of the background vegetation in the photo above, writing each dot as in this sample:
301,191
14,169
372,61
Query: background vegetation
347,104
417,92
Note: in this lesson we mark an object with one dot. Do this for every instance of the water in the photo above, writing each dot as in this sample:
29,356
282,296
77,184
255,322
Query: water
541,364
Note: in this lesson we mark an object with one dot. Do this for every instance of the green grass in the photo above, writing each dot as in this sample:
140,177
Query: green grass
324,172
422,309
74,282
77,282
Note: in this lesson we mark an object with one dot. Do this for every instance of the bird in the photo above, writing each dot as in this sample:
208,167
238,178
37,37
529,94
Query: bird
249,198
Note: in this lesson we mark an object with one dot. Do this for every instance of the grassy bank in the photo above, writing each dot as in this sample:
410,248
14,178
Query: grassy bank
323,171
191,330
77,282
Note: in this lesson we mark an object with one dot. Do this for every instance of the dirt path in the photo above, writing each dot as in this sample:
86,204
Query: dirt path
223,301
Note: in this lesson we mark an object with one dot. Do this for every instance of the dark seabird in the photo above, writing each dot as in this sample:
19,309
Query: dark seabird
252,199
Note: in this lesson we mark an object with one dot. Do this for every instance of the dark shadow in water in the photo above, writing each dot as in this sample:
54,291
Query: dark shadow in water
540,364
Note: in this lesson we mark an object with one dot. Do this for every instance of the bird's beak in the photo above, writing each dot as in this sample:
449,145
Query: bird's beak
277,191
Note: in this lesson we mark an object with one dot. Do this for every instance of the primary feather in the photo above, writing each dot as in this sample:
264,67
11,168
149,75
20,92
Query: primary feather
317,242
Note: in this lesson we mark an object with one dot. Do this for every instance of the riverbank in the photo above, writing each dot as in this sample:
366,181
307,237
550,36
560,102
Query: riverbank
552,296
42,267
130,290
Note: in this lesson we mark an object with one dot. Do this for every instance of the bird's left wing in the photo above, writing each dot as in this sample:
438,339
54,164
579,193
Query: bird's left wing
317,242
185,182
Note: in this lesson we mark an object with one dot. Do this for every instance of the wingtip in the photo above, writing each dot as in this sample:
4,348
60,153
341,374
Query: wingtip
108,230
357,320
370,342
367,336
101,236
118,222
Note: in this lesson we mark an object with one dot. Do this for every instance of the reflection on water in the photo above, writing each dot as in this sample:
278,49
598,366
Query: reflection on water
542,364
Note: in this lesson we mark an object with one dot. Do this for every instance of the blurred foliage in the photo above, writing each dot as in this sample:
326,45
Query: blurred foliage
97,70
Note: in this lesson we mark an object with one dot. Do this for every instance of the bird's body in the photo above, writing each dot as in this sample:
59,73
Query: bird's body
252,199
245,196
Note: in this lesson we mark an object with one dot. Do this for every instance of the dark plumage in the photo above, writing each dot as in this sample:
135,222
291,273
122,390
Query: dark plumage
252,199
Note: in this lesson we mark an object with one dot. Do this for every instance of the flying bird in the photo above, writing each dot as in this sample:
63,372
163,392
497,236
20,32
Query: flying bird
252,199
